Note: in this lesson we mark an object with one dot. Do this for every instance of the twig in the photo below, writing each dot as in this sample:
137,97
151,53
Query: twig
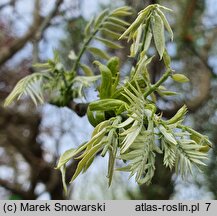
7,4
46,22
38,27
158,83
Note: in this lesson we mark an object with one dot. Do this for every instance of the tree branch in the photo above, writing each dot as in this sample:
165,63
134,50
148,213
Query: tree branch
15,189
12,2
38,27
46,22
158,83
79,108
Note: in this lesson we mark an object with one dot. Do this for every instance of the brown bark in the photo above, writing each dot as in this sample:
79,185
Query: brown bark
35,31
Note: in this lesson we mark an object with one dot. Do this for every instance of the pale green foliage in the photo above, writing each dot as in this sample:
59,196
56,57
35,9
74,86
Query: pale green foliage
126,124
81,82
158,33
52,77
149,23
105,28
64,85
29,85
65,157
180,78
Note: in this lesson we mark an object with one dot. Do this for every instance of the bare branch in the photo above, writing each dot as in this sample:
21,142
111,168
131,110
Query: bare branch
79,108
12,2
37,27
16,189
46,21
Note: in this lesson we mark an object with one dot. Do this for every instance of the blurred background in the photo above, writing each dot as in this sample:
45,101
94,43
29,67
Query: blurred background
32,139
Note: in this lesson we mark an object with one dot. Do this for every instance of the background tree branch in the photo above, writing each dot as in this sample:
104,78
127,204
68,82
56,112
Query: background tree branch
35,31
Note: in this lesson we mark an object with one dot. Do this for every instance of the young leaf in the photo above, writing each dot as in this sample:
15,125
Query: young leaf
158,34
147,40
179,116
111,163
65,157
118,21
165,8
134,26
114,27
122,11
81,82
167,135
106,104
166,24
106,82
110,34
113,64
142,67
180,78
87,70
100,18
136,42
167,93
166,59
204,148
87,30
148,9
29,85
87,156
169,154
63,174
131,136
109,43
98,52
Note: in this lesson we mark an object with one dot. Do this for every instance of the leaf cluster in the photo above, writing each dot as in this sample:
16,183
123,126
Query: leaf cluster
65,85
126,124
